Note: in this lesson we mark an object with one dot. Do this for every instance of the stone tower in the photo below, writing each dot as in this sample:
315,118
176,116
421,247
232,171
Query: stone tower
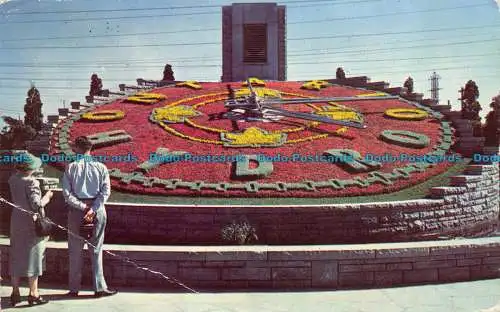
253,41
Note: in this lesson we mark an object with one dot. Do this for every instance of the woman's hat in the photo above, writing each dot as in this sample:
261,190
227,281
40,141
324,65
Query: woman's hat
27,162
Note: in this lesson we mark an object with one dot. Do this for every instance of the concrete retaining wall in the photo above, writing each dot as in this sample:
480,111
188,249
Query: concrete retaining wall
285,267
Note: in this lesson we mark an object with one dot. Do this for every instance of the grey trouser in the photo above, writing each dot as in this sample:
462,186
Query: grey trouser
75,246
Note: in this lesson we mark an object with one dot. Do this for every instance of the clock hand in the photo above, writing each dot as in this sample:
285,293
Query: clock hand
282,112
333,99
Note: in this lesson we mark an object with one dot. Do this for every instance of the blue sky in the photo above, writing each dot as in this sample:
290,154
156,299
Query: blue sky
458,39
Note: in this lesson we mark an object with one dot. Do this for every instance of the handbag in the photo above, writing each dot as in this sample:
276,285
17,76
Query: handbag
87,229
43,226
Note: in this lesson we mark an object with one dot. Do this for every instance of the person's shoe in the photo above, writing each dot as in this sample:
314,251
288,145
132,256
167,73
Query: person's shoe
105,293
72,294
32,300
15,298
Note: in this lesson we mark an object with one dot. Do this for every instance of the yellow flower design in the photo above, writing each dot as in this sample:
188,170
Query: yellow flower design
105,115
406,113
146,98
261,92
372,94
174,114
189,84
254,82
253,137
341,130
315,85
340,112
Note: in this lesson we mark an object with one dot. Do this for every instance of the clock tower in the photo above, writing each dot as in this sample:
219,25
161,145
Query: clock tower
253,42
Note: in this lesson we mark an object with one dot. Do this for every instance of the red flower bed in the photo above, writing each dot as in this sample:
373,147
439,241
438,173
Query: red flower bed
148,136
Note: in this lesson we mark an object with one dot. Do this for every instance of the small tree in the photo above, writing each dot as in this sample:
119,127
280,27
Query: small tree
408,84
241,233
491,129
95,85
340,74
168,73
15,134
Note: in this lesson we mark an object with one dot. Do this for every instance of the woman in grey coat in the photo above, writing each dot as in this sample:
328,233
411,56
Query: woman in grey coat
26,248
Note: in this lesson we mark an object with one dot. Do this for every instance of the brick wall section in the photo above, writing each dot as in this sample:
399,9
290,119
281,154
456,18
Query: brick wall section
281,267
227,43
468,208
282,43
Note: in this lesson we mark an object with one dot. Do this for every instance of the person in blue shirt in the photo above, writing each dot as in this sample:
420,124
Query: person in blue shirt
86,187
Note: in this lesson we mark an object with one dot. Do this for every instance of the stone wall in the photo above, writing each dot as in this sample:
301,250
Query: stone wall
282,267
468,208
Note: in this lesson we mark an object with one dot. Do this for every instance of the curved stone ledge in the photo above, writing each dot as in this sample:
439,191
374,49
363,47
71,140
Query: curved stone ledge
470,209
286,267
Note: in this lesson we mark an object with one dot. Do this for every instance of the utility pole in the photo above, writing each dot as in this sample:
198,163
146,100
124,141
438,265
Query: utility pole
435,87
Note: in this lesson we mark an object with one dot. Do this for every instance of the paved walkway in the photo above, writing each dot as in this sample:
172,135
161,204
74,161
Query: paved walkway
458,297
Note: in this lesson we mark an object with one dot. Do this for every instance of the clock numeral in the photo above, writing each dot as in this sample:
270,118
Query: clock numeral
103,139
315,85
146,98
405,138
161,156
352,161
243,170
255,82
189,84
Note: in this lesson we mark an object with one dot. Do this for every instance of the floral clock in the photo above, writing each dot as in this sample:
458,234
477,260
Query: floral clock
180,140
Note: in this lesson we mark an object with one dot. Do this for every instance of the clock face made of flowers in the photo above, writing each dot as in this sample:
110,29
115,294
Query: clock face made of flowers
183,140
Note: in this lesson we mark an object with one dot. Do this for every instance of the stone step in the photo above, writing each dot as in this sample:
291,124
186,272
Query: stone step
44,134
155,83
474,170
454,115
491,150
471,140
429,102
357,81
86,105
104,93
145,82
416,97
463,180
75,105
131,87
37,145
463,128
377,85
394,90
441,191
53,119
442,108
462,121
63,111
